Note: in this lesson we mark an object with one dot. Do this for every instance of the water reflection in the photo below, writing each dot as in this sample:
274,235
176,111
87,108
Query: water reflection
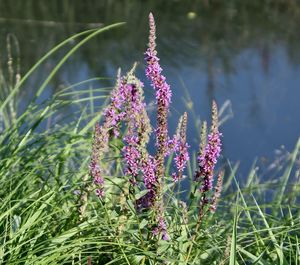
244,51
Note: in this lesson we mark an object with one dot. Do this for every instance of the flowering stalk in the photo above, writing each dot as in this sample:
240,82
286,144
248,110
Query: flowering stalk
217,194
163,99
207,159
150,180
203,137
138,126
132,157
135,153
113,115
99,145
163,96
182,155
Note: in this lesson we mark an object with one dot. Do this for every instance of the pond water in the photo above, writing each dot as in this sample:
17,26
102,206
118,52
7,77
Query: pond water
245,54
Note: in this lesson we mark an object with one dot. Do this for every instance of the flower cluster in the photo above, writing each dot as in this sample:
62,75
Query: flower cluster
127,109
207,159
217,193
126,105
161,228
126,102
150,180
181,149
163,99
99,145
162,88
138,126
113,113
131,156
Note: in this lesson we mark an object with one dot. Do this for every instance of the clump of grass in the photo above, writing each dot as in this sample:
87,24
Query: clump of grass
50,214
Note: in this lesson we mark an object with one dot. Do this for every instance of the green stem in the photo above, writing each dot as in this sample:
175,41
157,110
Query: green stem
199,222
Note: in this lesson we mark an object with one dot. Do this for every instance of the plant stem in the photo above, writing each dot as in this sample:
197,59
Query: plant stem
199,222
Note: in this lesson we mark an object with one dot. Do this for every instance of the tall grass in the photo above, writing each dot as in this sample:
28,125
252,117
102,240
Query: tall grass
44,172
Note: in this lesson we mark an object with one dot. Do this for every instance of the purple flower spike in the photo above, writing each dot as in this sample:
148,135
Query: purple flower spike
148,169
207,159
181,159
163,91
113,113
163,99
161,228
181,149
150,181
132,156
138,125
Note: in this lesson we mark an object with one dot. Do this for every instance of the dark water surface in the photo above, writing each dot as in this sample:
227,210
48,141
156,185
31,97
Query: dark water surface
242,53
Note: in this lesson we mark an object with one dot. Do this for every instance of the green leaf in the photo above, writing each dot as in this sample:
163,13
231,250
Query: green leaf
141,194
287,173
16,223
143,223
280,255
232,260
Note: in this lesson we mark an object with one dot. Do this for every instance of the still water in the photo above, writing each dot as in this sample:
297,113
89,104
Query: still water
245,54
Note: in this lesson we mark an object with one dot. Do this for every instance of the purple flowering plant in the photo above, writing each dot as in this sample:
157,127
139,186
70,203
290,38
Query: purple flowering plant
146,182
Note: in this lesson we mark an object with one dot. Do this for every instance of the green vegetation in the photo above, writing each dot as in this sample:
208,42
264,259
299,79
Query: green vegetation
44,159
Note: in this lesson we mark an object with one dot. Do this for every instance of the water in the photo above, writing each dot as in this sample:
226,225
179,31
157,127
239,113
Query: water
247,52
